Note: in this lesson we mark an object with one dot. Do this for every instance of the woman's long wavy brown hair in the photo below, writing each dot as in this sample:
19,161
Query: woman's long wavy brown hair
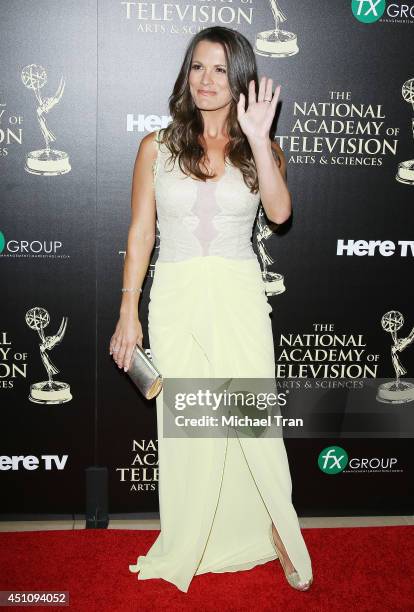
182,135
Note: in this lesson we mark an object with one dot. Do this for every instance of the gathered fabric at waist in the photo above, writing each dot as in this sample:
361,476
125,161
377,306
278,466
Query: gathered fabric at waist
215,302
218,267
220,278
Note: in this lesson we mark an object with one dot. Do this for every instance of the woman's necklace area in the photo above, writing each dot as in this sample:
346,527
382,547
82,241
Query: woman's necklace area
207,168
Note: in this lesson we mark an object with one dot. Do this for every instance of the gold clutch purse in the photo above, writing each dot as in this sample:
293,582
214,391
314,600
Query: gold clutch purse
144,374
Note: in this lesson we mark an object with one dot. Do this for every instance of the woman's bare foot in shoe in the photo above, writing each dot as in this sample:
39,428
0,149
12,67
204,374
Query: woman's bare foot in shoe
286,561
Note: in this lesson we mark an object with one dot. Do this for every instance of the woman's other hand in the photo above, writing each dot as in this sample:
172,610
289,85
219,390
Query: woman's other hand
128,333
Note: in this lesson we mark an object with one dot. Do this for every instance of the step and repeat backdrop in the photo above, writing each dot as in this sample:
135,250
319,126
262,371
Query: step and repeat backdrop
81,83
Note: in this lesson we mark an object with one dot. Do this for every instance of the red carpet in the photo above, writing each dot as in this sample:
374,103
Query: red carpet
370,569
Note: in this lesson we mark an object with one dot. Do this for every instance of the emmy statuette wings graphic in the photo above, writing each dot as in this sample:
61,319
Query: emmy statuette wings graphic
405,172
47,161
47,391
273,281
276,42
396,391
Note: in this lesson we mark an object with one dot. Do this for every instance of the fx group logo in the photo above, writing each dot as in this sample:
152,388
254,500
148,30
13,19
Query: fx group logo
368,11
333,460
20,248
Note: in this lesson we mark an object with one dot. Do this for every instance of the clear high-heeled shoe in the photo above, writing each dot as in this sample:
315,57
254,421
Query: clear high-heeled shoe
293,578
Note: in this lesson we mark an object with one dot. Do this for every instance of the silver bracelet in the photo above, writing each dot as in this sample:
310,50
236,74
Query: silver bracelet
131,289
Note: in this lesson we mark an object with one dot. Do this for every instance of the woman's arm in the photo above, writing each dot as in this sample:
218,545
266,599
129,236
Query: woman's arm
281,159
274,193
141,240
256,122
141,234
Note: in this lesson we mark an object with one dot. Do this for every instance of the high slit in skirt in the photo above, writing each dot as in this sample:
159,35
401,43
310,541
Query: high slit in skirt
209,317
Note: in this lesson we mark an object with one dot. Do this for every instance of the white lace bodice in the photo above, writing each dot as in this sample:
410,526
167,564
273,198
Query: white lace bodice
198,218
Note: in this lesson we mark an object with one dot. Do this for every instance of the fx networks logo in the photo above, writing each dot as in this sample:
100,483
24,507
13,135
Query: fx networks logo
368,11
333,460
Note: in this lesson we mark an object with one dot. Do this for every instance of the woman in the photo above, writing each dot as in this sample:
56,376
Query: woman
225,502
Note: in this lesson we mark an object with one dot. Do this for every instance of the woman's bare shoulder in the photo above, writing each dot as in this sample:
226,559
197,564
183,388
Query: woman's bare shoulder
147,151
148,142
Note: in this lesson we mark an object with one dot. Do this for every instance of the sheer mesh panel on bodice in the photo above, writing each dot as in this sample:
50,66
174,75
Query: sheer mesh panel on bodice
198,218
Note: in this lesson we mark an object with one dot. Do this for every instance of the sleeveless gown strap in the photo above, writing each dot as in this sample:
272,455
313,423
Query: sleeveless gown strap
156,160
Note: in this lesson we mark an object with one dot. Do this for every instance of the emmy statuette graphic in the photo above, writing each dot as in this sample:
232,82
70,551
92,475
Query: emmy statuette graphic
405,172
273,281
396,391
277,42
49,391
45,162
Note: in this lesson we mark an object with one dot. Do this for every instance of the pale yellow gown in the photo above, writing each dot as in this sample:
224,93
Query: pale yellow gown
209,317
